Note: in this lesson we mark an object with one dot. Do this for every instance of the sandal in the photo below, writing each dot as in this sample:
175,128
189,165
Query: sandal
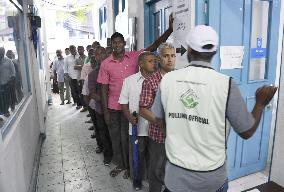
126,174
115,172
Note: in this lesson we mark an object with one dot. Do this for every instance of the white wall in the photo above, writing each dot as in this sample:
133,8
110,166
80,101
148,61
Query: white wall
277,170
18,147
17,151
136,9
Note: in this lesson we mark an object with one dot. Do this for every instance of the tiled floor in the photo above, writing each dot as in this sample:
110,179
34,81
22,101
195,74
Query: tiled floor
69,163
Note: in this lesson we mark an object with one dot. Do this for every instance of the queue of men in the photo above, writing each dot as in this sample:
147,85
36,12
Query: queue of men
10,83
181,124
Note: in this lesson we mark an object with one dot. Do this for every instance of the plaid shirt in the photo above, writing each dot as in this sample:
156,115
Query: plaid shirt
147,96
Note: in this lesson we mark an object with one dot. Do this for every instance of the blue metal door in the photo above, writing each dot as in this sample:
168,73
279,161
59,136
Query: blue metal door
253,24
156,19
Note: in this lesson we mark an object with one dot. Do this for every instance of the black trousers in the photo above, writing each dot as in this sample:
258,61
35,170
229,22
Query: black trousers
97,132
75,91
81,84
118,130
105,137
157,165
5,98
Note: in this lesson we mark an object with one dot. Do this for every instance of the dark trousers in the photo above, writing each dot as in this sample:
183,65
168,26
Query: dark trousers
81,84
5,99
75,91
97,131
157,165
143,156
119,136
104,135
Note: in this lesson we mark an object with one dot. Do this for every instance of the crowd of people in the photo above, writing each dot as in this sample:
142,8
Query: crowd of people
10,83
180,115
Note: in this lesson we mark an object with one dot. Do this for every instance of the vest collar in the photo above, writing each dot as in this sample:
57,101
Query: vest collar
203,64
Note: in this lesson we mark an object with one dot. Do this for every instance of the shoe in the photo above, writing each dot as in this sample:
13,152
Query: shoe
1,119
89,121
68,102
107,162
84,110
91,128
137,185
88,115
7,114
62,103
78,107
99,150
93,136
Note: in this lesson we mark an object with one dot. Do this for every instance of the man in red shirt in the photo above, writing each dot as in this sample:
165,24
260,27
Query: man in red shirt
156,136
113,71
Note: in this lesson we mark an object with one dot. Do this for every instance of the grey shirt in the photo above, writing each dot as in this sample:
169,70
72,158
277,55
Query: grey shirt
7,70
178,179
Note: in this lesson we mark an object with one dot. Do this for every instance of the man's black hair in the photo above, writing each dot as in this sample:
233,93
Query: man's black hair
116,35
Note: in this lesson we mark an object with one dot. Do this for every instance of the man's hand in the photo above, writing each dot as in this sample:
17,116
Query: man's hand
264,95
133,120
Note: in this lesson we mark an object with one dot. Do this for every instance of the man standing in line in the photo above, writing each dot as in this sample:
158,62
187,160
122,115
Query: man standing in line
113,71
150,86
197,100
129,101
7,80
95,93
58,69
79,62
72,75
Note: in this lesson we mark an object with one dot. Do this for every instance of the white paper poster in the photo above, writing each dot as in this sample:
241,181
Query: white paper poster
182,24
231,57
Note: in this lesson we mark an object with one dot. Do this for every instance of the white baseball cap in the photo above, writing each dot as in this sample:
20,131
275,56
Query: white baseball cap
202,35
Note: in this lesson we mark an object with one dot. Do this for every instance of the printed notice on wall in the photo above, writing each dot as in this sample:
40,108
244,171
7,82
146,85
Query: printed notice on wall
231,57
182,24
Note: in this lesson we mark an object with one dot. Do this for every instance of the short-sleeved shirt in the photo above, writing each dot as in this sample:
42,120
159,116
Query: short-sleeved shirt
240,119
148,94
86,69
94,86
130,94
113,72
58,67
69,63
86,92
80,60
7,70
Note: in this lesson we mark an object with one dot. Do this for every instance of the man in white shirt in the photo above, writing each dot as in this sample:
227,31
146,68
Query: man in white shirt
58,69
73,75
129,100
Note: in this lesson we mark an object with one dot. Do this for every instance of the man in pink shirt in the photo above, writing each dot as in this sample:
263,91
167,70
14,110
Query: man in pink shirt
113,71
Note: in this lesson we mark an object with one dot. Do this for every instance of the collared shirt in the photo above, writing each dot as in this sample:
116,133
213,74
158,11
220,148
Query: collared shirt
86,69
94,86
113,72
148,94
80,60
130,94
58,67
7,70
86,92
69,63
